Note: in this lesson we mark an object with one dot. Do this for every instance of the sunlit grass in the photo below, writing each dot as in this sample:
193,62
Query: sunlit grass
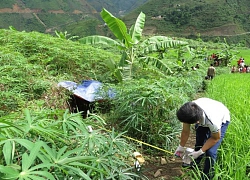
234,154
244,53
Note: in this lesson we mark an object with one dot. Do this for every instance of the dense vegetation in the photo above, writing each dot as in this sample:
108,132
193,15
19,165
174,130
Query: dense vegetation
211,20
79,17
41,139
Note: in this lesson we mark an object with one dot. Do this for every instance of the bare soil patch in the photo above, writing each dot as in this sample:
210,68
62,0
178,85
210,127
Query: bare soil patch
169,171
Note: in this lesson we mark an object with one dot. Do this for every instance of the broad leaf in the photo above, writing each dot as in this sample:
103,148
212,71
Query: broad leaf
28,160
157,43
113,68
9,172
157,63
98,40
8,151
117,27
137,28
79,172
123,60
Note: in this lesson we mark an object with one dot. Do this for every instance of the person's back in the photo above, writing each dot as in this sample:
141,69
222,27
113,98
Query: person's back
211,71
233,70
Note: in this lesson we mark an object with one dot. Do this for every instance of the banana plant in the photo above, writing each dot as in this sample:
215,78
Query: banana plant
134,49
227,54
64,35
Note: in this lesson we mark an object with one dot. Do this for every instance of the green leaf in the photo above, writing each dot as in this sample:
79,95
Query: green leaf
41,173
79,172
67,160
28,160
137,28
123,60
61,151
98,40
78,164
28,117
10,173
40,166
111,64
117,27
157,43
8,151
157,63
114,69
118,75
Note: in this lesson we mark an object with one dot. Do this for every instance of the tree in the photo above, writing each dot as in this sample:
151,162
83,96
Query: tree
134,49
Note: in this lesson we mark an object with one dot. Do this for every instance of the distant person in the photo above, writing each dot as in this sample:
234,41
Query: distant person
213,56
211,119
240,69
183,61
193,68
239,62
197,66
242,64
248,69
211,72
244,69
233,70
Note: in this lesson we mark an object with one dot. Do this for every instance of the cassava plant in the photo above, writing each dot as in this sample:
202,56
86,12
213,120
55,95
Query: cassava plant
38,147
145,109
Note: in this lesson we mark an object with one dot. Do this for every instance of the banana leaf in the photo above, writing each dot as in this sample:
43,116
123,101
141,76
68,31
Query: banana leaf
117,27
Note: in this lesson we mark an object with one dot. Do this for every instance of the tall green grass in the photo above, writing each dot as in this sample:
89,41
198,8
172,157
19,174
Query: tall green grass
233,156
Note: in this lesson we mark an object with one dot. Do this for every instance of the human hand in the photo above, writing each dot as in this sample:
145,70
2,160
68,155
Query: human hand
196,154
179,151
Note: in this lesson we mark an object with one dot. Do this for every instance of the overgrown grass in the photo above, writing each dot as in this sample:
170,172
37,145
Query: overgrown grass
31,66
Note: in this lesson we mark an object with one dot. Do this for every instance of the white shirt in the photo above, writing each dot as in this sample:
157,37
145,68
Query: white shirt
214,112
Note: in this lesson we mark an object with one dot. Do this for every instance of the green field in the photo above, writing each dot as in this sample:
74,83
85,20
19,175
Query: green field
41,137
234,155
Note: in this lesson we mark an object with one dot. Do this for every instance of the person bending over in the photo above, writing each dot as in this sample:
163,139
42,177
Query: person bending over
211,119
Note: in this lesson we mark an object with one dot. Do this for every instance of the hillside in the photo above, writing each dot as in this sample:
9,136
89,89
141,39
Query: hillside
211,19
79,17
46,16
116,7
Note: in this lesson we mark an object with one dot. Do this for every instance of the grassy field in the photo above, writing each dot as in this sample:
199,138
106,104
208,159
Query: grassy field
33,106
234,155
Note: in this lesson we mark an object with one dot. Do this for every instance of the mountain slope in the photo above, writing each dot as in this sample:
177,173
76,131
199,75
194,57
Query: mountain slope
43,16
190,17
209,19
49,15
116,7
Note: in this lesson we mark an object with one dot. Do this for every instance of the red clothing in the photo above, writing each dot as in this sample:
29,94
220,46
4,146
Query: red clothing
239,61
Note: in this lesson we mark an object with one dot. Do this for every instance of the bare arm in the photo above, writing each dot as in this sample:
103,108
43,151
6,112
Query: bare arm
215,137
185,134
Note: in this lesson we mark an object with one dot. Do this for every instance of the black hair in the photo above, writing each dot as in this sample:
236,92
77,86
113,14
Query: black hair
189,113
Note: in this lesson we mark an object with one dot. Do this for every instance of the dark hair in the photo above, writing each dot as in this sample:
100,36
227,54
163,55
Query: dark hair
189,113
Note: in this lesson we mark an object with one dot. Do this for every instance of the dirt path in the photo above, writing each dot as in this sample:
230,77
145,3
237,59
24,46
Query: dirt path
168,171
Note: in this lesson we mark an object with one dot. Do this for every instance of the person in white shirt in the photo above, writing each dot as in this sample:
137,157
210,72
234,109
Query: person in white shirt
211,119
